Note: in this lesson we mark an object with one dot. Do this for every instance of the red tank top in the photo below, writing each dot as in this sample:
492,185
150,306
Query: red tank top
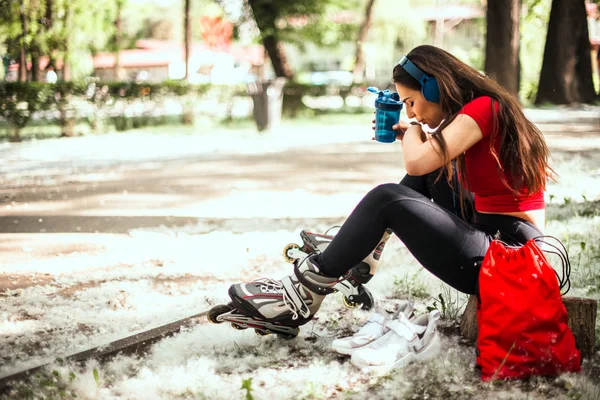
491,195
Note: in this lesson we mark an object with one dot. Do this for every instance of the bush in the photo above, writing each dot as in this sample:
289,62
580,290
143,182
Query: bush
18,102
293,92
131,104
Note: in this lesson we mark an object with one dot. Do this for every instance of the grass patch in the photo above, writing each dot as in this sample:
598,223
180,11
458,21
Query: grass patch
410,285
570,209
450,303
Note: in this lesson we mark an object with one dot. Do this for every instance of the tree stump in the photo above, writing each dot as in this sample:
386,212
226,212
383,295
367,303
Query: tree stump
582,321
468,322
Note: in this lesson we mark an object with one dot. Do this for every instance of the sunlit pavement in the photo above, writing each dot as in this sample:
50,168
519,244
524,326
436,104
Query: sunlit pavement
91,196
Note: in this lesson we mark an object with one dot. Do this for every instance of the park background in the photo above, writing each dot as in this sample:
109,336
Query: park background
185,143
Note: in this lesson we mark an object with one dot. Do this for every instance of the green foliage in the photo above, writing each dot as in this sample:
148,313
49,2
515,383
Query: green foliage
96,377
247,386
396,21
44,385
294,92
585,257
96,91
132,90
534,25
451,303
93,105
297,22
410,285
19,101
76,29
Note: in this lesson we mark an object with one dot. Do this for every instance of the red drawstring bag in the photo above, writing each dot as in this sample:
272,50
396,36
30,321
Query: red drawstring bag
521,318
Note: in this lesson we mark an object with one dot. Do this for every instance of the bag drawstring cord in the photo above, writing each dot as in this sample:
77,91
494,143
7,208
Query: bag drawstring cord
560,251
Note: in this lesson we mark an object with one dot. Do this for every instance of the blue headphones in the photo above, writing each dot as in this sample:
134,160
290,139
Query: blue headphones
429,85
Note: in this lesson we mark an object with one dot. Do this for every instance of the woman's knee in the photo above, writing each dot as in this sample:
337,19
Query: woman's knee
386,192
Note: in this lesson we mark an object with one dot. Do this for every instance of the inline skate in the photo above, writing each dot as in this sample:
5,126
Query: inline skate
311,243
351,284
272,306
280,307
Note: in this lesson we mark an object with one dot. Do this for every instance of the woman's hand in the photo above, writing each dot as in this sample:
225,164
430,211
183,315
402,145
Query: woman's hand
400,129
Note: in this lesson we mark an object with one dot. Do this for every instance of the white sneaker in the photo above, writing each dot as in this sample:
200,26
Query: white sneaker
405,341
371,331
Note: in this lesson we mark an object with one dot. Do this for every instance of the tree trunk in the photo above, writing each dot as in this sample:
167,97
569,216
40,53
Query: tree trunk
117,71
48,14
265,16
66,60
359,64
502,43
48,22
582,322
566,75
35,63
468,322
23,52
277,56
15,134
67,126
22,64
187,35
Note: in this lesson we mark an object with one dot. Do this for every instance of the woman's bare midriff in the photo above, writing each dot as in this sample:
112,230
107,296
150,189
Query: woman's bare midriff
536,217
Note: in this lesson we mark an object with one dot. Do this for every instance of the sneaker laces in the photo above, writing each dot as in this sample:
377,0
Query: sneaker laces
273,286
268,285
289,303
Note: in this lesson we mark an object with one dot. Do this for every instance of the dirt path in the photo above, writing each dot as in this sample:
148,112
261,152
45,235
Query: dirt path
88,213
101,237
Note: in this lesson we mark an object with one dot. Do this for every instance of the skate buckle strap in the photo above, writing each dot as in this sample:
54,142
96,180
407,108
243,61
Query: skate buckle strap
320,290
293,299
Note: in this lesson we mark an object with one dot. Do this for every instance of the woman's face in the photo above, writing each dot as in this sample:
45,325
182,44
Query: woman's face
425,112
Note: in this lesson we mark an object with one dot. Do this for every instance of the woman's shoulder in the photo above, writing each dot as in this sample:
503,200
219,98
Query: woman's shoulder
481,110
483,103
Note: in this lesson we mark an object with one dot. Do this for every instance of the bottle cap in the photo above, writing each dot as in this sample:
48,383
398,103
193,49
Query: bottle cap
386,100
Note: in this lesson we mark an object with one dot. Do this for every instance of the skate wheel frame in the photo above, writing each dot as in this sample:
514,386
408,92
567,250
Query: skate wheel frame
216,311
350,304
286,249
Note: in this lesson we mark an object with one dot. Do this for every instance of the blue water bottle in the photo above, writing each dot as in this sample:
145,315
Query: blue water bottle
387,114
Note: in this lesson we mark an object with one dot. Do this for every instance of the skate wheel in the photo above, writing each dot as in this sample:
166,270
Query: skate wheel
349,304
237,327
288,336
214,312
261,333
286,249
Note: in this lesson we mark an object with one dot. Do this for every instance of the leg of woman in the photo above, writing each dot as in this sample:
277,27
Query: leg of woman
436,187
433,186
441,241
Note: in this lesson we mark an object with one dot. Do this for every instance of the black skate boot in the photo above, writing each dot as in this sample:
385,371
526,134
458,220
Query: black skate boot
277,306
351,285
311,243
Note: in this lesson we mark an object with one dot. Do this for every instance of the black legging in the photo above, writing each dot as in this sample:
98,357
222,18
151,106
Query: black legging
433,231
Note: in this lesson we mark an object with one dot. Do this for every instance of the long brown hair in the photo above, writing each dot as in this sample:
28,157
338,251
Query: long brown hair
522,159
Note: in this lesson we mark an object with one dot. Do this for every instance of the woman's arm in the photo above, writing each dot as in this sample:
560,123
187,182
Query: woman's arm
421,158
